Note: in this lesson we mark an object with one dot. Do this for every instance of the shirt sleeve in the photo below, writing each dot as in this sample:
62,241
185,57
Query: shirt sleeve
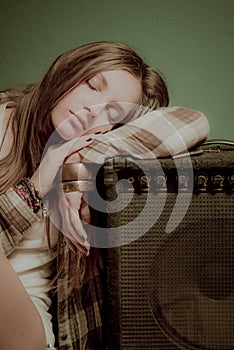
160,133
15,219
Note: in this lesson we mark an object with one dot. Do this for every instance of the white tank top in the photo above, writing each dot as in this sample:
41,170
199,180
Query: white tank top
33,264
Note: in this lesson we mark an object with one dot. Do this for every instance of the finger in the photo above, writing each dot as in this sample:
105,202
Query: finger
74,246
76,225
72,226
74,200
54,158
76,240
85,212
73,158
77,237
84,249
76,144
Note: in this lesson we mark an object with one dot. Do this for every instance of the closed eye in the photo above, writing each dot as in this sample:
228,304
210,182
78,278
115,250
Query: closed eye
115,112
91,86
97,83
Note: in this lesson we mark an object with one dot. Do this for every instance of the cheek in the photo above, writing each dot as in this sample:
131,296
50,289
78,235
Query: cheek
64,125
70,102
57,118
54,119
60,113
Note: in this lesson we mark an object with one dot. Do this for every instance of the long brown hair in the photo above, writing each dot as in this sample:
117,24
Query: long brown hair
31,120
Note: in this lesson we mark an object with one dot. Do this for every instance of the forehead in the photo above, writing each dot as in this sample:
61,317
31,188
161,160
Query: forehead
123,86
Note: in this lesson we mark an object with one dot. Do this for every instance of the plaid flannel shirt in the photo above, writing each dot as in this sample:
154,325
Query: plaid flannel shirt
159,133
79,316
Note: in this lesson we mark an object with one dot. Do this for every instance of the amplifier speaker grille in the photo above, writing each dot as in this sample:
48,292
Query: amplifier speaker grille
170,291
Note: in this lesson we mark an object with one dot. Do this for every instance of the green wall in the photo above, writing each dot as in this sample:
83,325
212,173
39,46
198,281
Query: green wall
190,41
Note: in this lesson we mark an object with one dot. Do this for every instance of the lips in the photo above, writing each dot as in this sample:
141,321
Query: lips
79,119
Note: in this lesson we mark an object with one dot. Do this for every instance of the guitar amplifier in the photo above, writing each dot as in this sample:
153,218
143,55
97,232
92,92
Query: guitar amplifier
169,257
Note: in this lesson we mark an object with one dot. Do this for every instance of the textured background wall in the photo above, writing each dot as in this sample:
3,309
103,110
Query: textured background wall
190,41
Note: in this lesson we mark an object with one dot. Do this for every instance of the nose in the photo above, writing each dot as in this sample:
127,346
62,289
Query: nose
90,113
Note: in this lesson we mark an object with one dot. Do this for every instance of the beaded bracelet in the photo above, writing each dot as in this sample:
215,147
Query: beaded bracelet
26,190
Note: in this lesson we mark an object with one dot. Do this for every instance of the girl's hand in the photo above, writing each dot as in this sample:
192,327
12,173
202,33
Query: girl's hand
72,206
44,176
73,210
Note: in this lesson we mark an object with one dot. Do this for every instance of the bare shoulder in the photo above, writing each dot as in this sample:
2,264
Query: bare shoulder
6,134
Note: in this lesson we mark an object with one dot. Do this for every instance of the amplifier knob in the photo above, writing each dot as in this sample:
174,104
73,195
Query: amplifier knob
183,182
161,183
201,180
144,181
218,182
231,182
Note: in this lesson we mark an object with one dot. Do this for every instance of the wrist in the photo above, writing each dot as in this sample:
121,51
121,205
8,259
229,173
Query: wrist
27,191
35,182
